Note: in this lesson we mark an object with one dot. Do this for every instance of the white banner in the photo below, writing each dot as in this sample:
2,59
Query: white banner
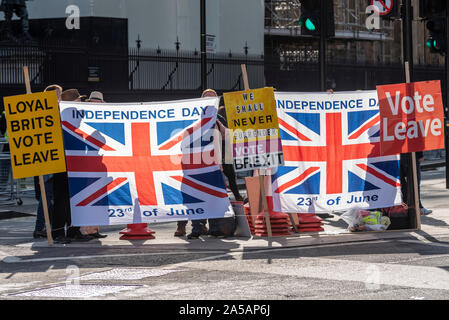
143,162
332,156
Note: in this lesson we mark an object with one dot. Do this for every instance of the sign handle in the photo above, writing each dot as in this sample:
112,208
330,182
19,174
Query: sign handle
261,176
413,155
41,178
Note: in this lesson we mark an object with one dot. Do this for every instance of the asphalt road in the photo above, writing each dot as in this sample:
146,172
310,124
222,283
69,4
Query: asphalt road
410,267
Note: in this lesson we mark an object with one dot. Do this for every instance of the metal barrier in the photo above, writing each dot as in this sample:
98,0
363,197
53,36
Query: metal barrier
9,188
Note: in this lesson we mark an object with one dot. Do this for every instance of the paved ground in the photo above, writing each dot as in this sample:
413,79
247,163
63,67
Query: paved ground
330,265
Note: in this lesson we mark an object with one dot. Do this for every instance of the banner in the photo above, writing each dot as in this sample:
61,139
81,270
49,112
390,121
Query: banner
412,117
146,162
253,121
35,136
332,156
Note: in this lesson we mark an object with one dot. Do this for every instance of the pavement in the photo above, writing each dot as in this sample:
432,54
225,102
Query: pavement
433,192
334,264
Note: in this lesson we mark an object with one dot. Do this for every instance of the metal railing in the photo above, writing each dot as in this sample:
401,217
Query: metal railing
137,69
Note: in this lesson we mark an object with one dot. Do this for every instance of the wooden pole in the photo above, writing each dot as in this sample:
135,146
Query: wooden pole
41,178
261,176
415,177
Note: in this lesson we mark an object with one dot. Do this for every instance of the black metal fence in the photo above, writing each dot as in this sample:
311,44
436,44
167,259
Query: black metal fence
155,69
123,74
154,74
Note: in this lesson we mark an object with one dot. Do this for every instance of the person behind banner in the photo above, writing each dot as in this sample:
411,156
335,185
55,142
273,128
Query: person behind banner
39,228
198,226
94,231
419,159
62,215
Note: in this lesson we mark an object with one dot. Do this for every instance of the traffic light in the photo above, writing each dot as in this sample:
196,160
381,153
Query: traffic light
437,41
310,20
434,11
432,8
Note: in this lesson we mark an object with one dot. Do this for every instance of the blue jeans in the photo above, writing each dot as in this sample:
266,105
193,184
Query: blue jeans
40,219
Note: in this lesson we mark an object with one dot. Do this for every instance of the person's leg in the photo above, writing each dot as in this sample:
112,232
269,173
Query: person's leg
418,178
197,228
40,218
22,13
59,217
9,9
403,178
214,227
181,230
228,170
40,222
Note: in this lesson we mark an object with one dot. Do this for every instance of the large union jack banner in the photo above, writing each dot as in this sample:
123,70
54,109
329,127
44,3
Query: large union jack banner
332,156
146,162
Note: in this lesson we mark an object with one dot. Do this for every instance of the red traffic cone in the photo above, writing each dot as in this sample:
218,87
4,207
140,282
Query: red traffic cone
137,231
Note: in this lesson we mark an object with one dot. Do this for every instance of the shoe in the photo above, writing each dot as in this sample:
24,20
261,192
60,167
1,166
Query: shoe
39,234
425,211
79,237
181,231
62,240
216,233
204,231
98,235
193,236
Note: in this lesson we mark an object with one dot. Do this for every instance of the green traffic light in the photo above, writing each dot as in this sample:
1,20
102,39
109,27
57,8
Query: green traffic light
429,43
310,25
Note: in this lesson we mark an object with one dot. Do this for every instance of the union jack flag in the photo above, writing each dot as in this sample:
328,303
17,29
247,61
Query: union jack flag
332,159
124,170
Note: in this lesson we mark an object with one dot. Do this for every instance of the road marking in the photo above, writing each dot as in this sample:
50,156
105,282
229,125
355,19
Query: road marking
12,259
422,277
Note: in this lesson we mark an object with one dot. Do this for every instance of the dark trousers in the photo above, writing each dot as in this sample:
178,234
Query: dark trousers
197,225
229,172
21,12
61,217
404,180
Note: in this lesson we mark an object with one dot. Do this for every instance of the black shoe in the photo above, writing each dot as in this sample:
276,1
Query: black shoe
39,234
62,240
216,234
193,236
79,237
98,235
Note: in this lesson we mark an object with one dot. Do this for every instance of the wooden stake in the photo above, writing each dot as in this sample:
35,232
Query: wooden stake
415,177
41,178
261,176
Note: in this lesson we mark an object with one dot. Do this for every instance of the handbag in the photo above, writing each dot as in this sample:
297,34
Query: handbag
398,216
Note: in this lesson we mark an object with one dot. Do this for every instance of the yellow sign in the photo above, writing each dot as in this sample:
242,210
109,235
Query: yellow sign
35,134
250,111
252,118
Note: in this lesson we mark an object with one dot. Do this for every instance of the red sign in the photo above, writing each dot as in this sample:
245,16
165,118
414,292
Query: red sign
382,7
411,117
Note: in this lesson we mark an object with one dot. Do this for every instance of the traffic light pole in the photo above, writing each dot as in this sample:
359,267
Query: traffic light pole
322,53
408,160
203,46
446,113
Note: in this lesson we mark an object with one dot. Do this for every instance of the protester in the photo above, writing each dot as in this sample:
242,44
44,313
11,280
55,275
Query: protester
419,160
198,226
5,167
404,180
39,229
61,217
94,231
